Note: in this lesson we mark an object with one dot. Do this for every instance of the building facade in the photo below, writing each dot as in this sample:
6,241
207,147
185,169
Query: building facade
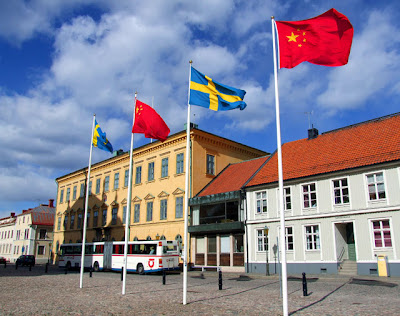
217,227
341,201
158,182
7,226
33,233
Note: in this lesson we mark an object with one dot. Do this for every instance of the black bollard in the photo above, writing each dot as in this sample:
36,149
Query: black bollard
16,266
46,267
304,284
5,264
220,280
90,271
30,267
66,270
122,273
163,277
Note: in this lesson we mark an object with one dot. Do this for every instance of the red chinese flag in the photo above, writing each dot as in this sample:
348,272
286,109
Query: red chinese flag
149,122
324,40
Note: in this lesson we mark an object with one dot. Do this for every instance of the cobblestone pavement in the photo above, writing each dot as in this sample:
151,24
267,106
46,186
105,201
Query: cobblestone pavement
24,292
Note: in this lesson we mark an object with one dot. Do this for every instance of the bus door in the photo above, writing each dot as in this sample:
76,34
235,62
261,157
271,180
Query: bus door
107,255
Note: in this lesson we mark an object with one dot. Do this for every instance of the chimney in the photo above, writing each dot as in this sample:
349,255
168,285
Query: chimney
312,133
51,203
12,214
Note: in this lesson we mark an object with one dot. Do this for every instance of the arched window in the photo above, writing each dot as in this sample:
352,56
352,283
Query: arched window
148,238
178,238
135,239
70,241
163,237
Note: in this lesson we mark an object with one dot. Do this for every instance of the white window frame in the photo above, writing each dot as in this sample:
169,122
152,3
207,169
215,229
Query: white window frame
316,238
264,240
340,189
309,193
381,230
285,196
375,185
286,238
261,200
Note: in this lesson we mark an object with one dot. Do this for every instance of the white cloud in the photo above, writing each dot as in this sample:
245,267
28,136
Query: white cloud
373,66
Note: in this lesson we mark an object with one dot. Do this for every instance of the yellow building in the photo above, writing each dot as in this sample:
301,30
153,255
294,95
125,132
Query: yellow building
158,183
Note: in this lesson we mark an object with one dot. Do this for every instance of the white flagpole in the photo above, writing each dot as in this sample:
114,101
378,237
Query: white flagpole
186,205
128,210
86,207
280,173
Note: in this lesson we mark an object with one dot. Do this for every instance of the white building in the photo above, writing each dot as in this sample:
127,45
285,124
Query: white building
342,202
7,225
34,233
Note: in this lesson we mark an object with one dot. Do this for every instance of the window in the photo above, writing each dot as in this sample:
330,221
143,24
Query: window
150,174
72,221
40,250
65,222
138,178
312,237
104,218
107,183
136,214
98,186
82,193
95,218
59,223
179,163
149,211
210,164
116,181
309,195
124,214
287,199
341,191
79,223
88,219
126,180
261,202
289,238
90,187
179,207
262,240
164,168
42,234
376,186
382,236
163,209
74,193
68,194
212,244
61,196
114,216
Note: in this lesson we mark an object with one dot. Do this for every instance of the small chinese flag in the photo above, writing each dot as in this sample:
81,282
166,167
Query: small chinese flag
149,122
324,40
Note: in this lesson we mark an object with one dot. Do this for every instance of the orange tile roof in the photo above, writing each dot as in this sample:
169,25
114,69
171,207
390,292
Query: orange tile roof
363,144
233,177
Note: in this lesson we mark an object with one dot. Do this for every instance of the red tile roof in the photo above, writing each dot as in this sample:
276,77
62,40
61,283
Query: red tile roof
233,177
363,144
43,215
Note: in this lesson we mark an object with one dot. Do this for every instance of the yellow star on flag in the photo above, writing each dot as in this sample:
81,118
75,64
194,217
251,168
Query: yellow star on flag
292,37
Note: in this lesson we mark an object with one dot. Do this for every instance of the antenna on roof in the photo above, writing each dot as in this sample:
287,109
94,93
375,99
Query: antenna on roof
309,118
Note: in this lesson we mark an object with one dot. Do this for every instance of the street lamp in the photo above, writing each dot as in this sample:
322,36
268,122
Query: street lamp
266,229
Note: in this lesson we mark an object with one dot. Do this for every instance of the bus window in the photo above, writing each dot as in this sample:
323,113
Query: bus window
99,249
170,248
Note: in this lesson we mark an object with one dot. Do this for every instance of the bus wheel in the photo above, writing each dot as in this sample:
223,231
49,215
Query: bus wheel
68,265
140,269
96,267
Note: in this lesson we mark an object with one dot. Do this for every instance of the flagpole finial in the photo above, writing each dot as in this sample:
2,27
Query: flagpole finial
272,17
190,61
94,114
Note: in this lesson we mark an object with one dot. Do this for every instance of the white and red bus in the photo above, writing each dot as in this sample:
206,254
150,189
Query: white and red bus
142,257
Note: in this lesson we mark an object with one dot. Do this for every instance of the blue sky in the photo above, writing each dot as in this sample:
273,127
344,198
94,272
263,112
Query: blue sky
63,61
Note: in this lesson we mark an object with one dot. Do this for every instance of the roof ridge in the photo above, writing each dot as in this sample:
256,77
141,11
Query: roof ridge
362,123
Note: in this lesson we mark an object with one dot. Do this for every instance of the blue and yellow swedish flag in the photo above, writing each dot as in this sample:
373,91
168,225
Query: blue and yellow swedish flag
100,140
213,95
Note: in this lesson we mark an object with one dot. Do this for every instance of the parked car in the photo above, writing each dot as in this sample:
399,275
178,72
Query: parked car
25,260
3,260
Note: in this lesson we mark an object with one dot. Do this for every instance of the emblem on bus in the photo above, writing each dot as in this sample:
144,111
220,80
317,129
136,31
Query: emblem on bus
151,263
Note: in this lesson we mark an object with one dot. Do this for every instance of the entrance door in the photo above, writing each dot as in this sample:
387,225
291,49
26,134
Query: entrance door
351,247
